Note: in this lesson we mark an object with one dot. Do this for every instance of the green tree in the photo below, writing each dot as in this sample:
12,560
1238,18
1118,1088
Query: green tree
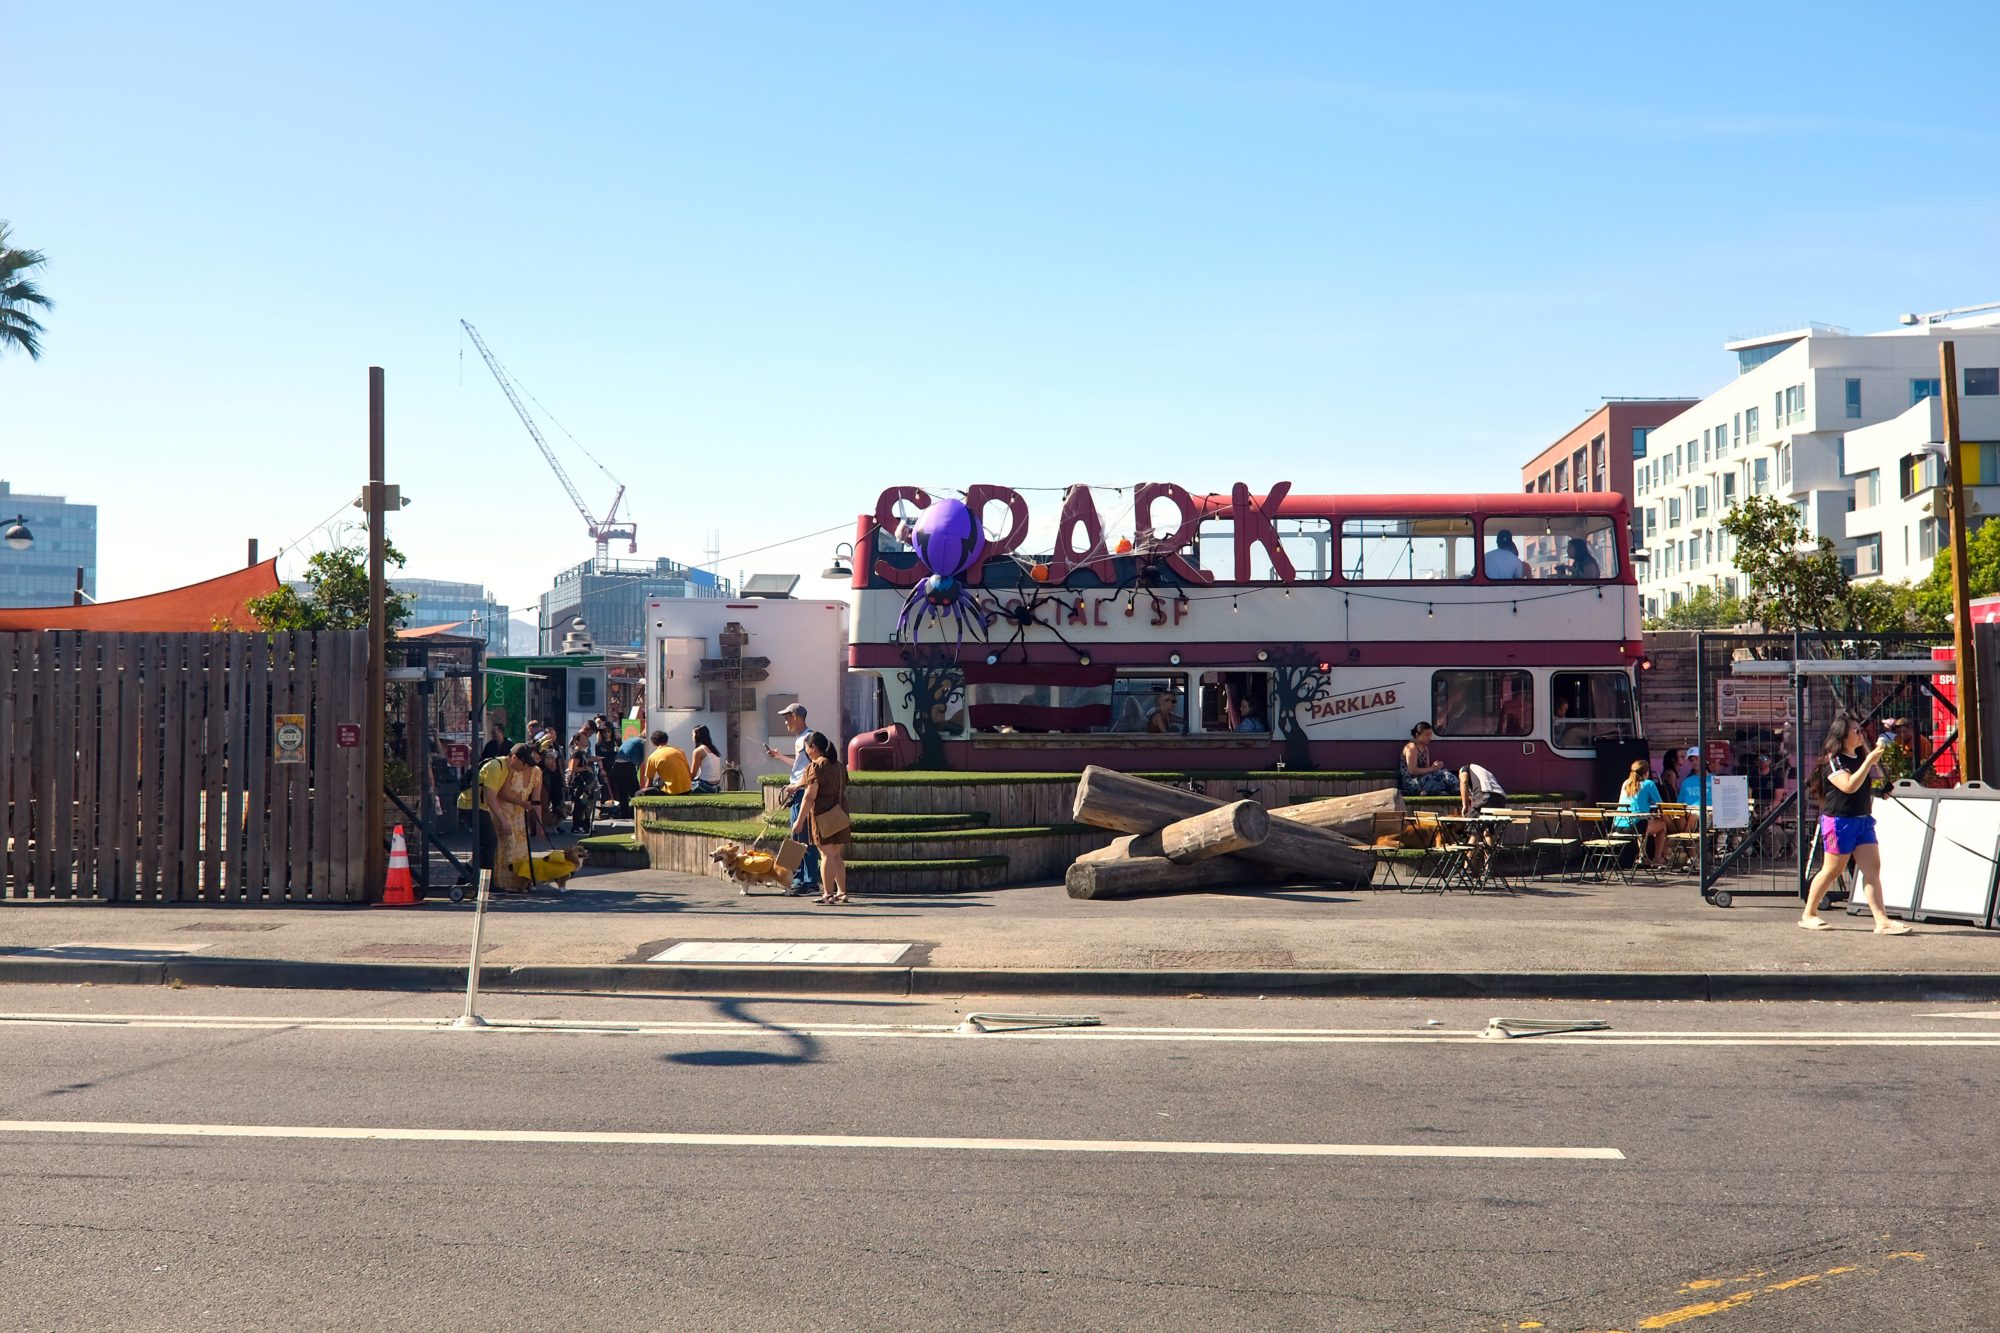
1793,582
336,595
1706,609
19,328
1982,574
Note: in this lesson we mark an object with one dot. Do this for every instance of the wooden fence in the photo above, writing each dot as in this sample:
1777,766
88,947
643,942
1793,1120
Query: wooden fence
147,767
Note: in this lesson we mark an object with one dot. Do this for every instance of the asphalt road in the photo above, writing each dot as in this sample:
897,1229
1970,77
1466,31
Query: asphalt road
1351,1166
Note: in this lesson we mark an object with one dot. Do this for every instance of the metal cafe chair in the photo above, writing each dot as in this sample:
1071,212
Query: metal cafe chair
1603,848
1554,846
1683,842
1446,862
1391,856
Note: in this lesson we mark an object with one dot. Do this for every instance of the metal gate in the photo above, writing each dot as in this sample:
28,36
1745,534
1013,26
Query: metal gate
434,748
1763,705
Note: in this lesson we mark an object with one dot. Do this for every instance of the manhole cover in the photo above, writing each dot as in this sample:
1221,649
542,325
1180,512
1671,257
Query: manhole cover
1206,959
818,953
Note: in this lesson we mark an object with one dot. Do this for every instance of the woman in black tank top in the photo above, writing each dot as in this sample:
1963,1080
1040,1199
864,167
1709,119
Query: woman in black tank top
1846,826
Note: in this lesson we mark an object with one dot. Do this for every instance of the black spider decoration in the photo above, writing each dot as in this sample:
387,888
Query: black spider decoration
1026,614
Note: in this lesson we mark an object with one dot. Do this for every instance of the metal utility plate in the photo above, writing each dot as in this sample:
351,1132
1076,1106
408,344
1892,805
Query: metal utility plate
814,953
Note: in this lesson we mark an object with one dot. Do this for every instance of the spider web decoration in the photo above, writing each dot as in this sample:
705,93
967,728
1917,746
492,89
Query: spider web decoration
1025,615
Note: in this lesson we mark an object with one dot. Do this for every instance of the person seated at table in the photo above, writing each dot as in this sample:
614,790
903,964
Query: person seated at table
1638,796
1417,774
1246,717
1504,560
1694,787
1479,791
1582,564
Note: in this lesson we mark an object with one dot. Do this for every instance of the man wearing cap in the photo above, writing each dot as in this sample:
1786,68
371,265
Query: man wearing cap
1504,560
806,879
1694,787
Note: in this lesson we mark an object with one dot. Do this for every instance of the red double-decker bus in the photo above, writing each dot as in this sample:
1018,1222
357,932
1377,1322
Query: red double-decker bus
1259,631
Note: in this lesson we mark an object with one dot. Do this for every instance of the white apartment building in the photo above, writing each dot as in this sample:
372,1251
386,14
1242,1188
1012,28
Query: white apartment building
1897,470
1781,428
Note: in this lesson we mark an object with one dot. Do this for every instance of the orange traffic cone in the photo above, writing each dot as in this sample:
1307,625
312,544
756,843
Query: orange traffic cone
399,890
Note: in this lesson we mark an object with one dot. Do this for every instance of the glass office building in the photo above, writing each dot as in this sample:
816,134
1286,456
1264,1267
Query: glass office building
65,541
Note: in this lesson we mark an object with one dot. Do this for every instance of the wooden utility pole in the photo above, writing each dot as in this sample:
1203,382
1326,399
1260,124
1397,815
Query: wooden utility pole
1962,637
373,723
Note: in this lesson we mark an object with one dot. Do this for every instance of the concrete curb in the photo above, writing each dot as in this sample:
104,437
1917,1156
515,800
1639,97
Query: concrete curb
291,974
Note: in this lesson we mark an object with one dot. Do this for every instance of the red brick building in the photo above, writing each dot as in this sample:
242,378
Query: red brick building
1597,455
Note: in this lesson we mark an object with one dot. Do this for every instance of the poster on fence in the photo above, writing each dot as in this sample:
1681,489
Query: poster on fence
1729,802
1755,701
288,738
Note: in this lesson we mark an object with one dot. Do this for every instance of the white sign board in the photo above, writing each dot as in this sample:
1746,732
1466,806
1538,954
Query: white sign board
1729,802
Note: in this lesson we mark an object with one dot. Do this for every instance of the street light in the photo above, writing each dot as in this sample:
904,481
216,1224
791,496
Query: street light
17,535
838,569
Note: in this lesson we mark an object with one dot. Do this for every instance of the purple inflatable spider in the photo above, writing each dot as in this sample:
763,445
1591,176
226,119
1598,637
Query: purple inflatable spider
949,541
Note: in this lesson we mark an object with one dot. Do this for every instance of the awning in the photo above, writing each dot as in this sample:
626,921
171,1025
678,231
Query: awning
221,603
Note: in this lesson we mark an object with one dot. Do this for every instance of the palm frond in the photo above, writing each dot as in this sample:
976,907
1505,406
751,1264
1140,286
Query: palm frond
20,330
23,292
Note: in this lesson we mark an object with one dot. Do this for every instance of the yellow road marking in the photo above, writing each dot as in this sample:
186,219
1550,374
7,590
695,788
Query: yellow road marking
1703,1309
1699,1310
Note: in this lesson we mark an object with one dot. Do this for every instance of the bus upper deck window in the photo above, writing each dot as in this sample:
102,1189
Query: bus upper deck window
1417,547
1550,546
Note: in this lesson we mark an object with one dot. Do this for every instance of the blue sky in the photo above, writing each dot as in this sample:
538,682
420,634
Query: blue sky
765,260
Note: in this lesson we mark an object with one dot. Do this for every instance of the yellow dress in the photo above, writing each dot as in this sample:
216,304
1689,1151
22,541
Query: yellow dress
510,825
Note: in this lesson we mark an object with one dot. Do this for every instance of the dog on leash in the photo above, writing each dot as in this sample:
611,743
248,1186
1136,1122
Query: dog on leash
552,867
748,866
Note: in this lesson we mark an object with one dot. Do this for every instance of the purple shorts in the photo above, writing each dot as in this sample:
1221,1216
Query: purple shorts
1842,835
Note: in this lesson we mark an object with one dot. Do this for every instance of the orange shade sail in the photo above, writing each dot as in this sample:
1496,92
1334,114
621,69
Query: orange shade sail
222,602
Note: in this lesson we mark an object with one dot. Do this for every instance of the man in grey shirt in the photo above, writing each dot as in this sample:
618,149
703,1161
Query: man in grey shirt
806,879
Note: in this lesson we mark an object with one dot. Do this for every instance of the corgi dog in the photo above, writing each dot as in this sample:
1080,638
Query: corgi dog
748,866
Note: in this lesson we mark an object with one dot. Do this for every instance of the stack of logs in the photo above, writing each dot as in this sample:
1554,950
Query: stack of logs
1178,839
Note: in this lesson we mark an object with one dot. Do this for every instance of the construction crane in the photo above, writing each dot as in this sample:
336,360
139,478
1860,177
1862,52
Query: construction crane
603,531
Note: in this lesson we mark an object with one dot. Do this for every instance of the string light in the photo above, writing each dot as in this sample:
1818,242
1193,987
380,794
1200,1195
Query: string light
1430,610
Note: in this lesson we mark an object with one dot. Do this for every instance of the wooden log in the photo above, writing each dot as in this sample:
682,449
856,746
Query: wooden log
1228,828
1352,816
1098,876
1109,799
1232,828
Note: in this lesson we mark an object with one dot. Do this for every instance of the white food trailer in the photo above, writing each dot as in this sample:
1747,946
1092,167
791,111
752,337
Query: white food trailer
731,665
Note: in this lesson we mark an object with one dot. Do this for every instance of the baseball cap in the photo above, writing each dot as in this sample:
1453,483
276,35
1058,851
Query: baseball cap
789,709
1694,752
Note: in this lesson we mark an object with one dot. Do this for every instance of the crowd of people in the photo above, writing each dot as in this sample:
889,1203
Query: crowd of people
543,785
538,786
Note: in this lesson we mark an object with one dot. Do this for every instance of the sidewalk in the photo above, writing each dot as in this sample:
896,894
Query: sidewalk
1575,940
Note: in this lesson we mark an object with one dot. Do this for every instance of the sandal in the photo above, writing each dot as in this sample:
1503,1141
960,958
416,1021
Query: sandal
823,899
841,901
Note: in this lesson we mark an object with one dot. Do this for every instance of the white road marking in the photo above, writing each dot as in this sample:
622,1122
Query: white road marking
1986,1013
941,1032
878,954
137,1129
113,952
